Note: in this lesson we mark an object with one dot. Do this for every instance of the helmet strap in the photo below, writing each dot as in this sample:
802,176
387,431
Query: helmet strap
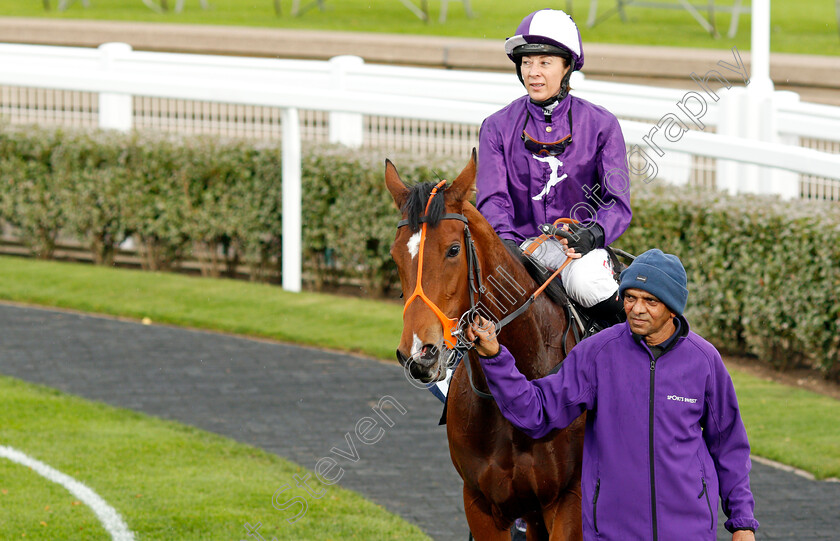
546,103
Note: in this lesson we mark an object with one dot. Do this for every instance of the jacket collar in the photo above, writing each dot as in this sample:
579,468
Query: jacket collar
559,112
681,331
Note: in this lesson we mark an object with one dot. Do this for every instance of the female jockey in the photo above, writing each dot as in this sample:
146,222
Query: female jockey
551,155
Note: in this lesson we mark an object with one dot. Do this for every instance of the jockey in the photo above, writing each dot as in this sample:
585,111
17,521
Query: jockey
550,155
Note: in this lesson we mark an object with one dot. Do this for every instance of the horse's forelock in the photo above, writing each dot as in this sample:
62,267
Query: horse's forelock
415,205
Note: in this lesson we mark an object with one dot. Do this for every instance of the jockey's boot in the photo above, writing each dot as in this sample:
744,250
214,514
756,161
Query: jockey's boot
609,311
517,531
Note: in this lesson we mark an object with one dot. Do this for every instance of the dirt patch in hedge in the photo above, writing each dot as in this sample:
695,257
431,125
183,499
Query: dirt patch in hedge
802,378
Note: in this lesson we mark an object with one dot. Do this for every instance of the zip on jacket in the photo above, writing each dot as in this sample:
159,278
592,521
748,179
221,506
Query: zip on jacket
655,353
595,505
650,440
708,502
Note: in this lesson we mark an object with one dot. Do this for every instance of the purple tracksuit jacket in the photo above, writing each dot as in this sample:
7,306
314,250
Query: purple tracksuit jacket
663,437
588,181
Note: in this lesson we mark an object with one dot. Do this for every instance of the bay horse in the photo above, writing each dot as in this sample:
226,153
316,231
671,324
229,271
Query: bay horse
443,248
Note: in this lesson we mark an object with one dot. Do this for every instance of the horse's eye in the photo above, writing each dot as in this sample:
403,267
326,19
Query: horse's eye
454,250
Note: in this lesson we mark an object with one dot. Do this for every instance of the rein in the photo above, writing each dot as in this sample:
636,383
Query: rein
451,327
529,251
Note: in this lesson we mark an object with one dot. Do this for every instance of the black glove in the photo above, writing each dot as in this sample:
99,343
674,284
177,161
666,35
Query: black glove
512,245
582,239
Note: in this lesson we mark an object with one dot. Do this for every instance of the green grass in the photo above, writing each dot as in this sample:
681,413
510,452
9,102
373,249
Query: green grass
788,425
38,509
796,26
168,481
346,323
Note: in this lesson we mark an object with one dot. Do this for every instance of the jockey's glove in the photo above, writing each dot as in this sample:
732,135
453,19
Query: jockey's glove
512,244
582,239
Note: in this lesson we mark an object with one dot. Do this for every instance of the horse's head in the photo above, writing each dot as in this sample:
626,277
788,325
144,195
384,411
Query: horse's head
432,253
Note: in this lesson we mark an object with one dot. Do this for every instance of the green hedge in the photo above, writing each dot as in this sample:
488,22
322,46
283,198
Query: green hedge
348,215
764,274
204,198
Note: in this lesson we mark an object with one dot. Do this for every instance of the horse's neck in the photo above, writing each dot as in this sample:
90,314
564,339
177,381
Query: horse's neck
532,337
506,279
494,257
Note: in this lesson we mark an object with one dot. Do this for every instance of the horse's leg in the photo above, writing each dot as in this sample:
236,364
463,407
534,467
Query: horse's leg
563,520
480,519
536,529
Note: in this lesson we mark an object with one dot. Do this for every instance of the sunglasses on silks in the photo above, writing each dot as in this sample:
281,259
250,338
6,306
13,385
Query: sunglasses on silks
541,148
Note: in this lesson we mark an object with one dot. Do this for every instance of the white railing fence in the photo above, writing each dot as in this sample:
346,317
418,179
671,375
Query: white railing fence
731,137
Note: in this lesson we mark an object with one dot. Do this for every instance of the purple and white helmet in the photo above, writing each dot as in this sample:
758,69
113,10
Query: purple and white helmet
547,31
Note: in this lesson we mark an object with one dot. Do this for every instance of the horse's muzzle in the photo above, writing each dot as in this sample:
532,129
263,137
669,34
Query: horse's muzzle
425,366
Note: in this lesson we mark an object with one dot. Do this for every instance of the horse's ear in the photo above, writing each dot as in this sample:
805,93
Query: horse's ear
399,191
463,187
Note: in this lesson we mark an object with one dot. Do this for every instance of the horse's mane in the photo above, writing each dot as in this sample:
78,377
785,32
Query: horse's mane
415,205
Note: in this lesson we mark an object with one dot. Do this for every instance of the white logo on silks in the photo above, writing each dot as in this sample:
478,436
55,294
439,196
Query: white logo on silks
553,180
682,399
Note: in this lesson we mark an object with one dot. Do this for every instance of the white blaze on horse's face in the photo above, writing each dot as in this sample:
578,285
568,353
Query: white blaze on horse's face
416,346
413,244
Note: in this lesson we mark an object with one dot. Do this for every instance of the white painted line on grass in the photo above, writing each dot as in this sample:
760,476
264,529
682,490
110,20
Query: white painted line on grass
108,516
790,469
782,467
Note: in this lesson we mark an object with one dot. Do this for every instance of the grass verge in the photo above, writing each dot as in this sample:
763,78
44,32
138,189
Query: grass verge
788,425
346,323
168,481
796,27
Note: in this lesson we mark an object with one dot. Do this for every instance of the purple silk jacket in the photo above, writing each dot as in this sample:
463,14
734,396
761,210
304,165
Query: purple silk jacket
592,173
662,439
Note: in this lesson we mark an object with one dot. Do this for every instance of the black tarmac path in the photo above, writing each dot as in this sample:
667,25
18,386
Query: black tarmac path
299,403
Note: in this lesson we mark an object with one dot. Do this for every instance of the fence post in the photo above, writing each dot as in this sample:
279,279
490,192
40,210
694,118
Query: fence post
291,191
115,110
757,118
753,113
784,183
345,128
733,115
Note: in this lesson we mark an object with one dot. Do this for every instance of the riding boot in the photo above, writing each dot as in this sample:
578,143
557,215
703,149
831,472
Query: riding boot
517,531
609,311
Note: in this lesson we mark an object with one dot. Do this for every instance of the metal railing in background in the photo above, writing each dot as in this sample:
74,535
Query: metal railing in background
24,105
728,138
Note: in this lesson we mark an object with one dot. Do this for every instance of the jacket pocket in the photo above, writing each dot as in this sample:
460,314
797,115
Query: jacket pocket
595,505
705,492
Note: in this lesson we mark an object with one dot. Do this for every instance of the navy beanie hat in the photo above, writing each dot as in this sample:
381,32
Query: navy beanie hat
661,275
